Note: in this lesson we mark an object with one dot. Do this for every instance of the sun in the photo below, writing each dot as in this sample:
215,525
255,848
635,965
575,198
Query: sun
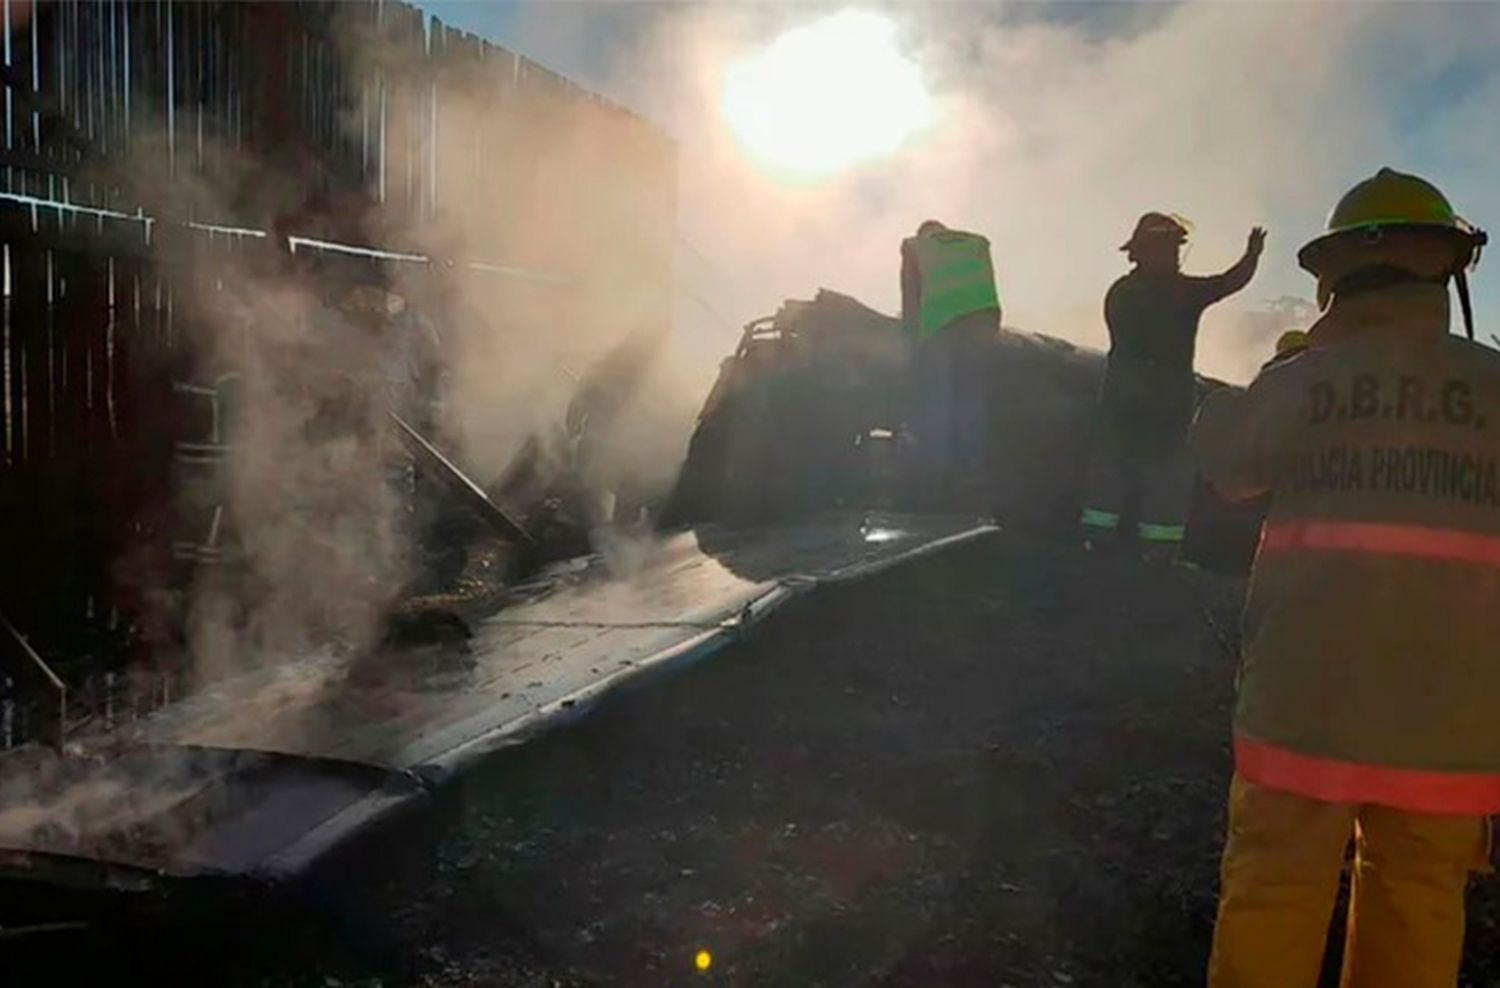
826,95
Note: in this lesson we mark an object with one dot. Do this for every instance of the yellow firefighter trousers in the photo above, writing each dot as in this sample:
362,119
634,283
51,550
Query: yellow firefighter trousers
1280,878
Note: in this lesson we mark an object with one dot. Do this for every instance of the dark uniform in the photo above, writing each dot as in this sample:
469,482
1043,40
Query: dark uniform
1148,397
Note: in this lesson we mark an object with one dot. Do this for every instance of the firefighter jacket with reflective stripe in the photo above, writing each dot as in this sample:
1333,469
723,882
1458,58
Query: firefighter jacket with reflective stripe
1372,626
956,277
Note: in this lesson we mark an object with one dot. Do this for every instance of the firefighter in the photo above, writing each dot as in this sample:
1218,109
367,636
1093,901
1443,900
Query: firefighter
1366,705
1139,457
950,306
1289,344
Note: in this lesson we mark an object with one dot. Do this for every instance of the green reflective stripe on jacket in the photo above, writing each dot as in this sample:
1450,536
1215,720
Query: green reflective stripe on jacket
958,277
1161,533
1094,518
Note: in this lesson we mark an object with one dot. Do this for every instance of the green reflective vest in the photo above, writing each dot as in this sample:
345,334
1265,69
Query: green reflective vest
958,277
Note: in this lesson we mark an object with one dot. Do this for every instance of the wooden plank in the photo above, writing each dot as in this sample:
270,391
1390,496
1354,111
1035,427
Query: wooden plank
124,342
100,357
16,114
97,78
5,397
380,116
437,48
156,56
41,403
164,61
218,102
142,32
81,82
15,228
66,333
200,65
128,73
483,69
84,325
7,138
15,492
109,74
133,26
45,81
29,306
317,95
78,319
54,92
85,61
107,70
410,41
51,225
422,119
277,119
316,135
180,109
222,20
246,77
208,84
226,23
296,54
22,57
351,89
187,53
208,111
357,95
231,39
328,88
394,122
111,68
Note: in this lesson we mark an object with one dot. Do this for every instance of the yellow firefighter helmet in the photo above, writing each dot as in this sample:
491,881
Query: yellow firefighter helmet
1392,221
1291,342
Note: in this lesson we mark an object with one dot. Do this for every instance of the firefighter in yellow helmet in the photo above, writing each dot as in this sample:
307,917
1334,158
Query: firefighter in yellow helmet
1139,456
1366,706
951,308
1290,343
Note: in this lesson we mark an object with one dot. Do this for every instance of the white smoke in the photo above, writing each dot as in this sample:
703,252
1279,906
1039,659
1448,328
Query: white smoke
1060,124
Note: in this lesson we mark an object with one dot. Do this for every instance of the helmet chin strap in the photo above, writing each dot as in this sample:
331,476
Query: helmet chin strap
1465,305
1461,279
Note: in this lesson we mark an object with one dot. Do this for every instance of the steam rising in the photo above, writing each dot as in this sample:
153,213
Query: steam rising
1050,135
1046,133
558,267
310,485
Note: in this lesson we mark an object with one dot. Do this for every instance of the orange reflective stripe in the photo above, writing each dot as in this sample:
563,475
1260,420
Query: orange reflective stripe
1386,540
1335,781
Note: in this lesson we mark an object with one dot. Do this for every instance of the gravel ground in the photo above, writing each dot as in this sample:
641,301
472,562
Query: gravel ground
1003,765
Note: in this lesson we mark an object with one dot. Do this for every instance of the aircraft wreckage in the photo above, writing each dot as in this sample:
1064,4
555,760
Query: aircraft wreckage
793,479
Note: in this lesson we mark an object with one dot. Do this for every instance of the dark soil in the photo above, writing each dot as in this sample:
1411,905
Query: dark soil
1003,765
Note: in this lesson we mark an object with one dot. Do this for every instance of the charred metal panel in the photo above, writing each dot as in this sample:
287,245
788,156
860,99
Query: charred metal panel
263,774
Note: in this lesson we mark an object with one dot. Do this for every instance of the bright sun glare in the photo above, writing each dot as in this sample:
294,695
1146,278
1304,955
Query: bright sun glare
827,95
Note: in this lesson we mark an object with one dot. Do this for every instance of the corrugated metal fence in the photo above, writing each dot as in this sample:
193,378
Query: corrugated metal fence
116,110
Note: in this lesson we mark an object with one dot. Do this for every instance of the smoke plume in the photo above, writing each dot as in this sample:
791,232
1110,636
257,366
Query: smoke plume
1059,124
530,314
1053,131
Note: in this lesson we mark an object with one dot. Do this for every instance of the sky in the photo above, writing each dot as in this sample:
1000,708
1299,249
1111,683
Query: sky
1055,126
